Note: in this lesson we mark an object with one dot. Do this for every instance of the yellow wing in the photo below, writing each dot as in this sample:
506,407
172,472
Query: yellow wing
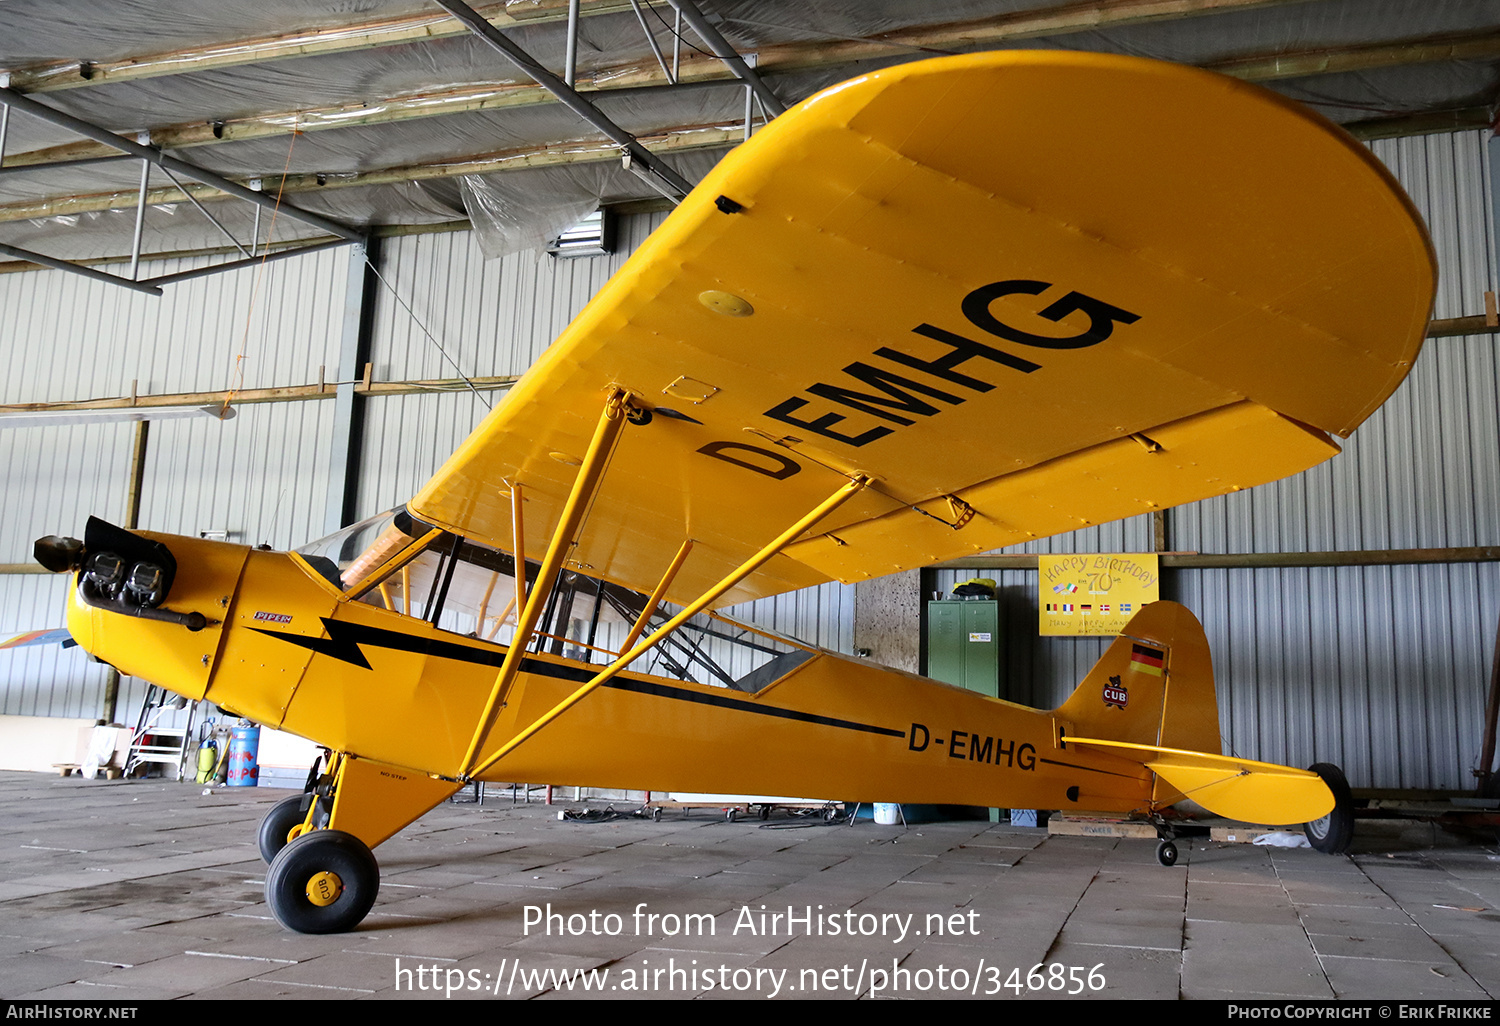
1025,291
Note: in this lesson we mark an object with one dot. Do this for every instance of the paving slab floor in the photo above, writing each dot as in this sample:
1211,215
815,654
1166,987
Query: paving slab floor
147,889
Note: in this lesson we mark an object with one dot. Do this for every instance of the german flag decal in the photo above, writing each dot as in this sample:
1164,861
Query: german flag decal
1145,659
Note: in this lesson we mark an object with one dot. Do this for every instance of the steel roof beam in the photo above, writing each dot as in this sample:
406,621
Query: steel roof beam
679,139
568,95
153,155
661,59
730,56
668,140
44,260
704,71
249,261
409,107
74,74
233,53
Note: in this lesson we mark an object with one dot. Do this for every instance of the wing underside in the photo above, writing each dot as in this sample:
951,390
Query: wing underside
1014,323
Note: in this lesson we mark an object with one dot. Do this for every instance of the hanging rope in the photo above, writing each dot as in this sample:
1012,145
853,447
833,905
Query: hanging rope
239,361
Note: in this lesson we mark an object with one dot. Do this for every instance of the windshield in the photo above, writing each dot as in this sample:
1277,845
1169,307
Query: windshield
346,558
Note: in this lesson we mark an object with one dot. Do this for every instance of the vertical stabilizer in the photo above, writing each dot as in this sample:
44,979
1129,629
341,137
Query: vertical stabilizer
1153,686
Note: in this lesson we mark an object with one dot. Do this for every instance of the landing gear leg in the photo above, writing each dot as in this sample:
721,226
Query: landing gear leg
1166,846
287,820
326,879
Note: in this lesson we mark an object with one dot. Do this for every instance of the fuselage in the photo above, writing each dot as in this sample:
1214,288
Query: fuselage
287,648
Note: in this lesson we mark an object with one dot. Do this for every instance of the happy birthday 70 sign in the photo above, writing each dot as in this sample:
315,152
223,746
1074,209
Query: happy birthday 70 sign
1095,594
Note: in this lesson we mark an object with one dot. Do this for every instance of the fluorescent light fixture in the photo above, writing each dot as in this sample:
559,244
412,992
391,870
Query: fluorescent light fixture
13,418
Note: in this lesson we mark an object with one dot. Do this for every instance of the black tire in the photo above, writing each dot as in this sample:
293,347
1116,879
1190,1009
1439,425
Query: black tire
298,864
284,815
656,815
1166,853
1332,834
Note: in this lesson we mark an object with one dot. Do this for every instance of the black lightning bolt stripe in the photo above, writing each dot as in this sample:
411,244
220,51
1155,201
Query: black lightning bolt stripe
344,641
643,687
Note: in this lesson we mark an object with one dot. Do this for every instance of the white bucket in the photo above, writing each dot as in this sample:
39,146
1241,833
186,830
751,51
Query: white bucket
887,813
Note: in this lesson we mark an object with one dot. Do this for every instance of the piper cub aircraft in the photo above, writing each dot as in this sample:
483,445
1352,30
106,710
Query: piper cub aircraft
945,307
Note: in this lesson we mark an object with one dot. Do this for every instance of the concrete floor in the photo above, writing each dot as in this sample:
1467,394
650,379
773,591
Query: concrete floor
140,890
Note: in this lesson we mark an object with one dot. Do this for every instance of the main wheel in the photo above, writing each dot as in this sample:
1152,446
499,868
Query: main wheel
285,815
322,882
1332,834
1166,853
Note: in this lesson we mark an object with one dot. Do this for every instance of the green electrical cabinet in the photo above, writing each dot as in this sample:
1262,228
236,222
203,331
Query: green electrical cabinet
963,644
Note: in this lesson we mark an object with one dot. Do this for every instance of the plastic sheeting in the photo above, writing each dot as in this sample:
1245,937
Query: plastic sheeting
514,215
517,212
386,125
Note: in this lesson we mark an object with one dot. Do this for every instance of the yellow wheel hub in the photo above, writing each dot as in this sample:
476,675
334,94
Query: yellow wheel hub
324,889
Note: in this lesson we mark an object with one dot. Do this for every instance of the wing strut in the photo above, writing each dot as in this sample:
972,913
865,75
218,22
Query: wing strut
518,537
656,596
827,506
585,485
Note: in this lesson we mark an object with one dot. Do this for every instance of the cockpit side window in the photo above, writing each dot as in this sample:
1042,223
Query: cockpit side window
397,563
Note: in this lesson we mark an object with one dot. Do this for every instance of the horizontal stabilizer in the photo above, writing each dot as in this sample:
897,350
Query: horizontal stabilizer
1240,789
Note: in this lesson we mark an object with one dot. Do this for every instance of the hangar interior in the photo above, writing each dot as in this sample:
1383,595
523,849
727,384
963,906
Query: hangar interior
423,181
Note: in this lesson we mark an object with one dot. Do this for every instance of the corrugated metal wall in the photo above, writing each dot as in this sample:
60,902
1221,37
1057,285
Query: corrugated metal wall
1382,669
264,476
491,318
261,476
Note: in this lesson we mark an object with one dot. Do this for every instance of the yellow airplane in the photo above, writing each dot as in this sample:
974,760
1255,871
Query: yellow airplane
942,308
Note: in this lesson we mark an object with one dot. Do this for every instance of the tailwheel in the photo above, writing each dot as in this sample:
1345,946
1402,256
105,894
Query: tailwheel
284,822
1166,853
322,882
1333,833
